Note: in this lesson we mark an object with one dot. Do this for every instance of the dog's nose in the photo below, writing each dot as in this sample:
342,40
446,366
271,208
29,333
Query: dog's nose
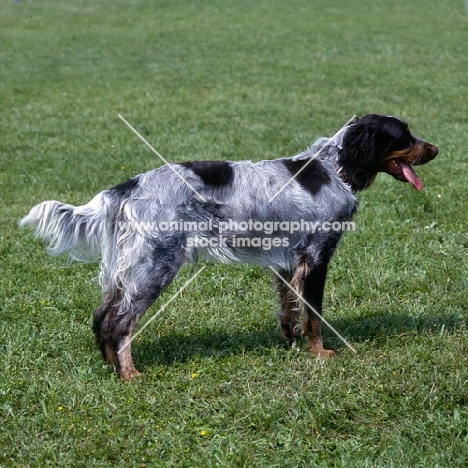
434,150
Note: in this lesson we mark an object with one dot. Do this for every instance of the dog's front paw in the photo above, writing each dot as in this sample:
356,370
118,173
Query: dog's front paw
318,350
128,374
326,353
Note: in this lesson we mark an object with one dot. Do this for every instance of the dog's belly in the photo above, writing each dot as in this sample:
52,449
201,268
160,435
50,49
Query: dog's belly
249,255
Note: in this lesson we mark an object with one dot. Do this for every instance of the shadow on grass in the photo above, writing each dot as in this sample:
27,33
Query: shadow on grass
381,326
181,347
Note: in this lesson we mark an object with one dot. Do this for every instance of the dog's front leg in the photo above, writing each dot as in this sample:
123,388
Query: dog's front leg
314,285
288,315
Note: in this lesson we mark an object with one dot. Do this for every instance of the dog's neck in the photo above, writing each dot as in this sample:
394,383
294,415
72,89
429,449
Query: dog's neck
341,171
333,152
339,167
342,174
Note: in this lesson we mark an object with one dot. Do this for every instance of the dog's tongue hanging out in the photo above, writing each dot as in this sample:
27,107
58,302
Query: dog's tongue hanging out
411,176
404,172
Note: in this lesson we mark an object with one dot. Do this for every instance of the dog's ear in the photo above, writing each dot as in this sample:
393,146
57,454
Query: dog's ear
360,153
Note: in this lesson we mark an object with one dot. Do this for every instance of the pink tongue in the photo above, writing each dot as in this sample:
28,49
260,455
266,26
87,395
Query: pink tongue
411,176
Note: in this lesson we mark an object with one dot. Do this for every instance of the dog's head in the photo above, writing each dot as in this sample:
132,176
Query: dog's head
380,143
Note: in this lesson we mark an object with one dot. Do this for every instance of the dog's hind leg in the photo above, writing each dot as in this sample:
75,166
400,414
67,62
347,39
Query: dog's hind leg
113,331
100,327
116,318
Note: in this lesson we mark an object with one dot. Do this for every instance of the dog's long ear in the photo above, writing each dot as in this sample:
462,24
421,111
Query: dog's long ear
359,154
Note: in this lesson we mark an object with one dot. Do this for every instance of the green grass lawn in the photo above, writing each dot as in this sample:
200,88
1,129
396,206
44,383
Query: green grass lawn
211,79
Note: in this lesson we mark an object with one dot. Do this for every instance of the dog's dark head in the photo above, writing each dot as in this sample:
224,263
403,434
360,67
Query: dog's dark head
380,143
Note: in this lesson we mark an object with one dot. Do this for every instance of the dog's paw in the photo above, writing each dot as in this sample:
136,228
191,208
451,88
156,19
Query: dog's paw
129,374
326,353
321,352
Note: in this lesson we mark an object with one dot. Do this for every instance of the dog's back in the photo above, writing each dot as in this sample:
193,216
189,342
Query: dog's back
134,225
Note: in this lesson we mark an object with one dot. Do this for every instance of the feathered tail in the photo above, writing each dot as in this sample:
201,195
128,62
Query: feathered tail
66,228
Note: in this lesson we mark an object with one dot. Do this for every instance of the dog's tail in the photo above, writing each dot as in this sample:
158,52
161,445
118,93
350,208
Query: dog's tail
65,228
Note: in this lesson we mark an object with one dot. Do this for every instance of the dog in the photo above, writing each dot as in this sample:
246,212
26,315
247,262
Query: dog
135,226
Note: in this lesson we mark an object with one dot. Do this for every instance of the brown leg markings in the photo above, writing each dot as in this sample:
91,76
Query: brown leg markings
136,288
288,316
290,303
102,316
107,326
125,366
119,337
313,294
312,329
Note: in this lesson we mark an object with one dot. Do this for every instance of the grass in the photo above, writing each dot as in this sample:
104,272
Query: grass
243,80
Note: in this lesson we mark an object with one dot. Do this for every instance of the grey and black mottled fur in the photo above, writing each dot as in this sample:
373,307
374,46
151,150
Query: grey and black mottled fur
138,263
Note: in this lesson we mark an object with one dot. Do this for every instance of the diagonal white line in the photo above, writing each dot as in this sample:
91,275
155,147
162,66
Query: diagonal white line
161,309
312,309
311,159
163,159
